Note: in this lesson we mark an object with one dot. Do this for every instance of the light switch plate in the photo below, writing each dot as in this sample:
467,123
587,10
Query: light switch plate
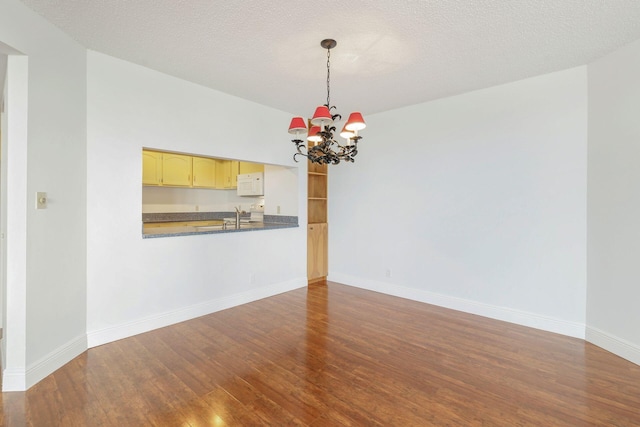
41,200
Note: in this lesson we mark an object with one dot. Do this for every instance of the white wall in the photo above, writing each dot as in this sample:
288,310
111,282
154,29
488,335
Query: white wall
55,238
3,204
280,183
614,202
475,202
137,284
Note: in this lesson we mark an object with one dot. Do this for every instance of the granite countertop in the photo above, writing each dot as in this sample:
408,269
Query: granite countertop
271,222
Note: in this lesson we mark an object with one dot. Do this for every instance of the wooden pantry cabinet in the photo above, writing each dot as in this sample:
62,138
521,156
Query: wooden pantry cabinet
317,228
317,252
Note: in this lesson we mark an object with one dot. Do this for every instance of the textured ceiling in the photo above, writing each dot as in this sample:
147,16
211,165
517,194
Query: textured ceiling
390,53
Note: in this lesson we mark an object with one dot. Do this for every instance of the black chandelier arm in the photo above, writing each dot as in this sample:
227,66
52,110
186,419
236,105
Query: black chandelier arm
328,150
299,145
335,117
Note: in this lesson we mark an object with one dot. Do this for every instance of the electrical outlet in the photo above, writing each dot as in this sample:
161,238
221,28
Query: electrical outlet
197,208
41,200
278,209
388,272
252,278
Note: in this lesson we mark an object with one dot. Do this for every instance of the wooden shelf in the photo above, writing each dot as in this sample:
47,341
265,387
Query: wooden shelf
317,233
317,186
317,168
317,211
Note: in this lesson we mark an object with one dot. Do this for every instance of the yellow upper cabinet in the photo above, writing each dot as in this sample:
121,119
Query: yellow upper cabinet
176,170
151,168
235,169
182,170
204,172
227,173
248,167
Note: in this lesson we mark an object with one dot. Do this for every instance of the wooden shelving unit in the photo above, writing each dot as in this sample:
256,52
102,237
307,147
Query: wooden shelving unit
317,227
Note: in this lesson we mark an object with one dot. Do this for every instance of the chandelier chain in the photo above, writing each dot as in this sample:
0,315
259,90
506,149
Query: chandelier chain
328,75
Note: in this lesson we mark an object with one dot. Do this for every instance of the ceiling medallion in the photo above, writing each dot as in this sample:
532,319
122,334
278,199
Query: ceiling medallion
323,148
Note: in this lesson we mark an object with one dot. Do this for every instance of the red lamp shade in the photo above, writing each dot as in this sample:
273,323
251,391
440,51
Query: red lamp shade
347,134
355,122
313,134
297,126
322,116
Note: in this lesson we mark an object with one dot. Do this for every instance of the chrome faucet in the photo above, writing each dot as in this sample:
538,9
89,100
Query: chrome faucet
238,217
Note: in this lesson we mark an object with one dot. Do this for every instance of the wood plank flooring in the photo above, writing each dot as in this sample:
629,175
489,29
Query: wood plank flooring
333,355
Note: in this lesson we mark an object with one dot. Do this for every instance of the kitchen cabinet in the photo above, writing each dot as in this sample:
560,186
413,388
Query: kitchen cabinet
160,168
317,228
227,173
249,167
317,252
176,170
151,167
204,172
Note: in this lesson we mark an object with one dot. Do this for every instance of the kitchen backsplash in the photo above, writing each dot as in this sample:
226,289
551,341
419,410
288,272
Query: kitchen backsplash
167,200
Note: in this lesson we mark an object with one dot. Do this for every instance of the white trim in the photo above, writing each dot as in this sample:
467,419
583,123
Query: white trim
615,345
14,280
114,333
519,317
55,360
13,379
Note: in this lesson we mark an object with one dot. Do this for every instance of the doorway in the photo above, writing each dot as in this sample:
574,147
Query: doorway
13,216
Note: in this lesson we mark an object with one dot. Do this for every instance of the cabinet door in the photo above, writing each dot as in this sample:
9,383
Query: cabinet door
204,172
151,168
176,170
227,174
248,167
221,166
234,169
317,252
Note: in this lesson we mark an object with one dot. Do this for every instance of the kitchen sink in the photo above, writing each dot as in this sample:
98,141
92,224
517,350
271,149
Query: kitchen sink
209,227
230,226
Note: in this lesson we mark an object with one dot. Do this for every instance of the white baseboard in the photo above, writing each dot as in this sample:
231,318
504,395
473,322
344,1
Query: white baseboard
117,332
14,380
615,345
3,360
55,360
533,320
21,379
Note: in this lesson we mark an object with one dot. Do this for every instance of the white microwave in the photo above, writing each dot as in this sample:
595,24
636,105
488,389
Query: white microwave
251,184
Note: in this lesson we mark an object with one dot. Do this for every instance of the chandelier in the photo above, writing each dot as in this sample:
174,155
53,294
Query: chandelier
323,148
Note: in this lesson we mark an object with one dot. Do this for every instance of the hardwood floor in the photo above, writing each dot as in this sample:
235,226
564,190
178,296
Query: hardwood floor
336,356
